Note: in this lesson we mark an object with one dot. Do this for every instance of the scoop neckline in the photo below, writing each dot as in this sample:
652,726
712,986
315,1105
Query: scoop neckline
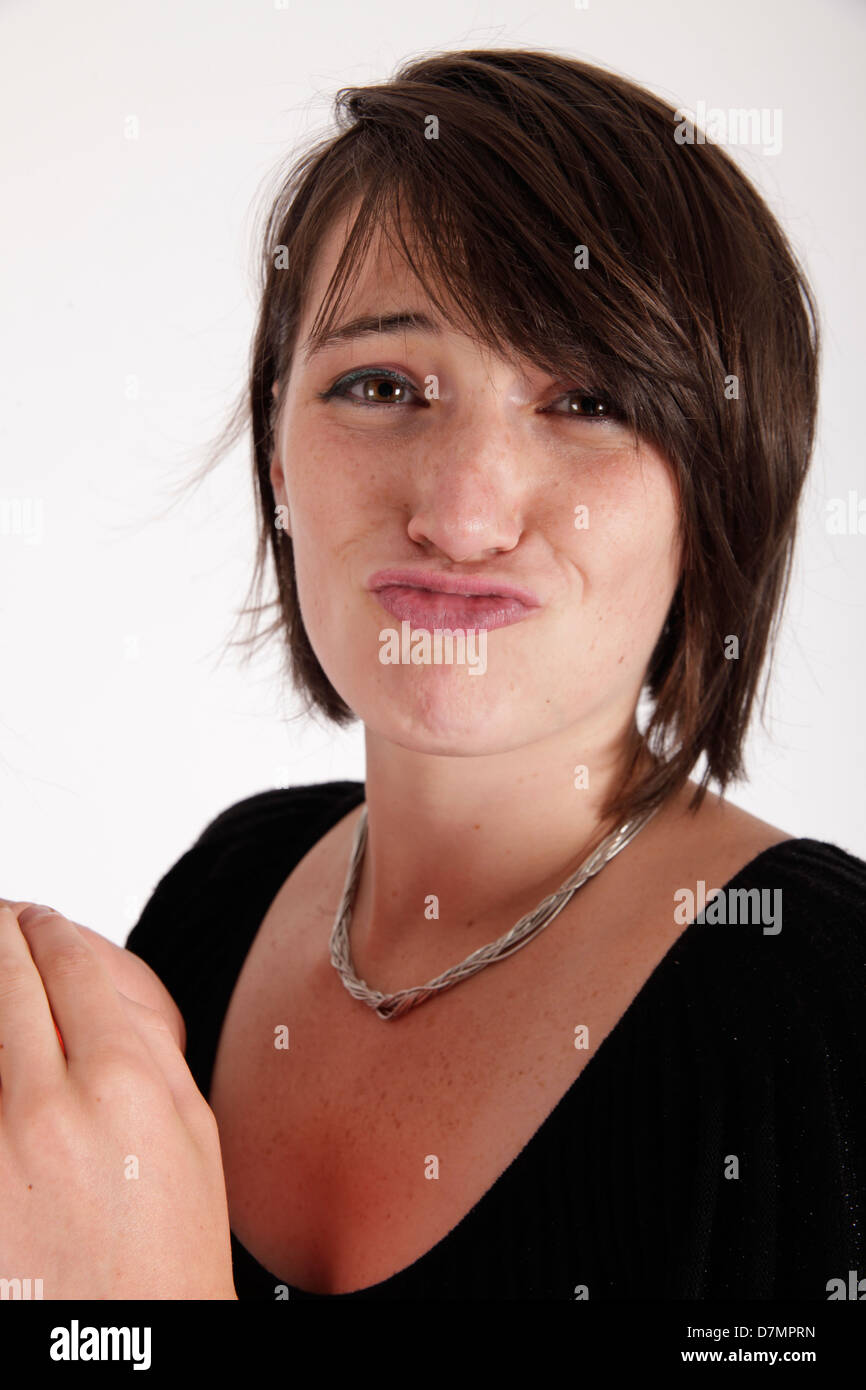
408,1271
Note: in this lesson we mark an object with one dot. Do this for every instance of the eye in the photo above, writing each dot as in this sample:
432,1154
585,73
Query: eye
380,387
581,404
383,387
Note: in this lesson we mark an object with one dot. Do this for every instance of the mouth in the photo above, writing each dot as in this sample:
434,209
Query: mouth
430,600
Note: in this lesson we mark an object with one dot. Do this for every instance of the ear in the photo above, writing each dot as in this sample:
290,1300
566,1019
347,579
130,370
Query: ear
277,480
281,518
281,515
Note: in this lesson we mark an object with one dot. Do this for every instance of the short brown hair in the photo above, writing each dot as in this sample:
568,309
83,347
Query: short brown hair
694,315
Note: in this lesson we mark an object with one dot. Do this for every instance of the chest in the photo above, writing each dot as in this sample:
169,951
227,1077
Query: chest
351,1144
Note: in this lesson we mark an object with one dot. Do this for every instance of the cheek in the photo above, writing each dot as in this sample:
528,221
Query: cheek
334,486
311,490
329,533
626,545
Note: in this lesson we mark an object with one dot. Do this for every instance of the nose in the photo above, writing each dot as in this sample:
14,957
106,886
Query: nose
468,501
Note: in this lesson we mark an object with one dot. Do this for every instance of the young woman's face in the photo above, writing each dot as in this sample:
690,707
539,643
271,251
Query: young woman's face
506,476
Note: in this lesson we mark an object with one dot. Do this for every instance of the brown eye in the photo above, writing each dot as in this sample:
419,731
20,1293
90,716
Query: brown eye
586,405
377,388
583,406
382,389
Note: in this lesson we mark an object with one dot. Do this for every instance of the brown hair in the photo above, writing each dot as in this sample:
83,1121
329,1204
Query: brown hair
690,283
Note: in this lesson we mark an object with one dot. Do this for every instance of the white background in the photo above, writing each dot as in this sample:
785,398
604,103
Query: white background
122,732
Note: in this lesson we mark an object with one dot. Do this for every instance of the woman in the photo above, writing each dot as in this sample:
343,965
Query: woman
533,371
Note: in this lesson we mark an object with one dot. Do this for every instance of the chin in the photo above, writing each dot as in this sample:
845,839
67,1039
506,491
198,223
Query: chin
443,722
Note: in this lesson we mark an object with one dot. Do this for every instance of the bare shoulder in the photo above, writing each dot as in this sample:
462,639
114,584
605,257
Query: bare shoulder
732,823
716,840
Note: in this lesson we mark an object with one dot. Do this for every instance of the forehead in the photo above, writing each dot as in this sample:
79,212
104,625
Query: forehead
380,283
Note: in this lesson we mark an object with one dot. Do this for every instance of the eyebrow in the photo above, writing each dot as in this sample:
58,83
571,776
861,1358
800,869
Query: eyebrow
404,321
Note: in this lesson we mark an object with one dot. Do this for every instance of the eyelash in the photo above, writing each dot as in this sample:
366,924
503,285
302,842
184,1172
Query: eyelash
339,390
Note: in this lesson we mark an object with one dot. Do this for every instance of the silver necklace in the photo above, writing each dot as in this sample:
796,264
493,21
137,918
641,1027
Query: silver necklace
393,1005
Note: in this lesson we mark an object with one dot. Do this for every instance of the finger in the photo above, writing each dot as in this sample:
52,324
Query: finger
16,906
28,912
30,1060
80,991
168,1058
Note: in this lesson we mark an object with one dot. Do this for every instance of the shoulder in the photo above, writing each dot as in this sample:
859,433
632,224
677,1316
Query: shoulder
780,967
256,825
753,1041
239,859
806,898
303,807
820,888
821,891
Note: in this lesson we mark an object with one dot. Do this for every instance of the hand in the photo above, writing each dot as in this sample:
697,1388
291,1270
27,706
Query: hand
131,976
111,1181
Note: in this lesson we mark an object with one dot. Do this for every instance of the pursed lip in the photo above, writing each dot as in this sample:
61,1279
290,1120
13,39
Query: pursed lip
438,582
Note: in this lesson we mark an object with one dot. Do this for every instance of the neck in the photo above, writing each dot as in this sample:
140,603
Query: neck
479,840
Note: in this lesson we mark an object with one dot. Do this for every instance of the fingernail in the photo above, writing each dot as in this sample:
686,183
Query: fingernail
31,913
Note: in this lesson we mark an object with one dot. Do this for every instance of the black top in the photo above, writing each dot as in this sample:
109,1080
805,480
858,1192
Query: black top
744,1049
